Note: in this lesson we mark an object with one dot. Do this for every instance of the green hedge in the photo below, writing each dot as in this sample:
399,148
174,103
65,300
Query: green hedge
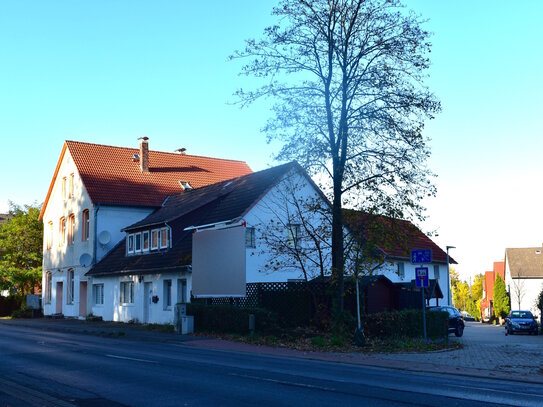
230,319
405,324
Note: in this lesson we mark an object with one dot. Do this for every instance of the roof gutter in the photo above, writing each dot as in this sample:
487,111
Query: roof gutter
186,268
217,225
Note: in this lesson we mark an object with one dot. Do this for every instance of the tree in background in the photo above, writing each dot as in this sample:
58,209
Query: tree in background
467,297
348,80
501,299
21,250
518,288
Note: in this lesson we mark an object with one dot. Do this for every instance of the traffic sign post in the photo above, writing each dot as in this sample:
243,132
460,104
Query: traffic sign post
421,274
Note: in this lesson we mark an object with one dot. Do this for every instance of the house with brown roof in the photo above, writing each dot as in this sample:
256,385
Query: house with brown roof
524,277
210,242
390,242
95,192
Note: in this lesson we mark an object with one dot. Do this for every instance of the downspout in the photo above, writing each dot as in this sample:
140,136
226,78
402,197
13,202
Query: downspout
95,237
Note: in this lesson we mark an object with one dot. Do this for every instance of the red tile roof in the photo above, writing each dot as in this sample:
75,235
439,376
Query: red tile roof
111,176
394,237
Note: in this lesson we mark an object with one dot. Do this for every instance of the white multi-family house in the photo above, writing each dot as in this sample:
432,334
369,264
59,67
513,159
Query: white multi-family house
96,191
245,228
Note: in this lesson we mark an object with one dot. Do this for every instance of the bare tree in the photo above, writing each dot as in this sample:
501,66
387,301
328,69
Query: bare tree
518,288
348,80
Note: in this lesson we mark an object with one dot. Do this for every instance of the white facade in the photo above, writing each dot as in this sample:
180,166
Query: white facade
69,291
527,288
152,300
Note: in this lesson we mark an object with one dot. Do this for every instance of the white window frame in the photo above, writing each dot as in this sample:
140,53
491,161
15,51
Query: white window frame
137,238
62,231
155,232
63,189
48,286
98,294
70,239
50,235
167,293
70,278
401,270
129,240
165,230
85,225
144,236
437,272
250,240
293,235
71,186
123,293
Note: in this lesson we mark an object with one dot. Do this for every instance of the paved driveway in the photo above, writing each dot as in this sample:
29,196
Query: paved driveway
486,347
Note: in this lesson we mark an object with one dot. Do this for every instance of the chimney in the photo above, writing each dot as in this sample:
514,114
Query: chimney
144,154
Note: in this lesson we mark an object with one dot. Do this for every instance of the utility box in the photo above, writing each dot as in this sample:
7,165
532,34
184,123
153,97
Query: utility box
183,324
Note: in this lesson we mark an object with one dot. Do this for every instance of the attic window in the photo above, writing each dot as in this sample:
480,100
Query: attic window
184,185
136,157
538,252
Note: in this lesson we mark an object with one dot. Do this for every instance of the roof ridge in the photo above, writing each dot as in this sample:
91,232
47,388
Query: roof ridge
154,151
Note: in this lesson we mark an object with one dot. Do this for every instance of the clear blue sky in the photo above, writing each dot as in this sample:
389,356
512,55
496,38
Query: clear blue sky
111,71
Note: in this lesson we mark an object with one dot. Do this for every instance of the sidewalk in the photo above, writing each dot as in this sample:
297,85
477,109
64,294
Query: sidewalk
490,359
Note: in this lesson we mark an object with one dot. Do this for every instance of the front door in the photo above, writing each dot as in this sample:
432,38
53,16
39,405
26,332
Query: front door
147,295
83,299
59,298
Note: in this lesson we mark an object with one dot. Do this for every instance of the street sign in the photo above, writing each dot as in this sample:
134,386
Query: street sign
422,276
421,256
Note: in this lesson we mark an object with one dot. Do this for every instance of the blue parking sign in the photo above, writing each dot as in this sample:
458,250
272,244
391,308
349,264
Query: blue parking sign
421,256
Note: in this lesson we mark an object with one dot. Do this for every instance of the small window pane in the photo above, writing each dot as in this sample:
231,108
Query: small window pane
250,237
130,243
154,239
145,236
137,242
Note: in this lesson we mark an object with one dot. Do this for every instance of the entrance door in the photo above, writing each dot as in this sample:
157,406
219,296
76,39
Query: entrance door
59,298
182,290
83,299
147,294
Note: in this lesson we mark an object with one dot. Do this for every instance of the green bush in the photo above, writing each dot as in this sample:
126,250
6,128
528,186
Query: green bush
26,313
405,324
230,319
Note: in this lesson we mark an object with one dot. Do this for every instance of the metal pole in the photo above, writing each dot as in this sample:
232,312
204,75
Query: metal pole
423,313
449,275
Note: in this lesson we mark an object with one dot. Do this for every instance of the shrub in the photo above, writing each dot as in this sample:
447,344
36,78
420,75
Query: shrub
405,324
230,319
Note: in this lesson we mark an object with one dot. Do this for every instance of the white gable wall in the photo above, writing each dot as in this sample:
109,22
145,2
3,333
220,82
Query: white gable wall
61,258
269,215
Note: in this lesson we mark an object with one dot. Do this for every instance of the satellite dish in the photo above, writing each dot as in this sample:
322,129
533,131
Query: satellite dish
85,259
104,237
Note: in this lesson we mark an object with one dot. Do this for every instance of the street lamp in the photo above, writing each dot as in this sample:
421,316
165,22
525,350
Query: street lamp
449,274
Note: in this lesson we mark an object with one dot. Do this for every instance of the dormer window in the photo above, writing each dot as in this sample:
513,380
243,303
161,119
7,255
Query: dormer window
184,185
130,244
147,241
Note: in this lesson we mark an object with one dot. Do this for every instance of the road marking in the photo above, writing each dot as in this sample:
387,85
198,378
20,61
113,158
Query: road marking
134,359
307,386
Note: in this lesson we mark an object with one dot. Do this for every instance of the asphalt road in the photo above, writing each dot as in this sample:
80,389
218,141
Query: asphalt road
60,369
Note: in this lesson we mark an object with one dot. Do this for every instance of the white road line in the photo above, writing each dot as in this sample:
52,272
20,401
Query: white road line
134,359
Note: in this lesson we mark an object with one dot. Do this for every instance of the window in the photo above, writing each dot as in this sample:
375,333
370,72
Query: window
63,189
145,241
181,290
71,229
250,237
49,235
436,271
127,292
61,231
85,225
167,294
154,239
48,286
293,236
130,244
401,270
137,242
71,286
164,238
71,187
98,294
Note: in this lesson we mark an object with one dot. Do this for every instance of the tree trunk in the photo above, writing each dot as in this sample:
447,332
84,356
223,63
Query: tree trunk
337,242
